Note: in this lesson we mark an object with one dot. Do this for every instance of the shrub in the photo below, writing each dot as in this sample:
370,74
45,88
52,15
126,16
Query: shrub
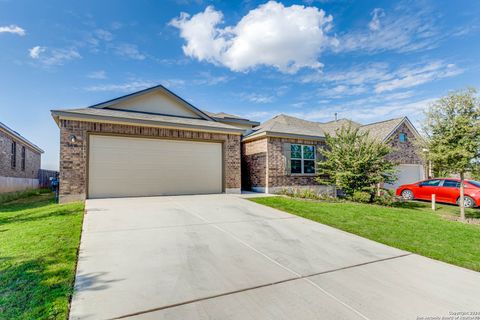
361,196
305,193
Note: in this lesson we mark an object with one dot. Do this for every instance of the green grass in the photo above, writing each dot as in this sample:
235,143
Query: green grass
414,228
10,196
38,253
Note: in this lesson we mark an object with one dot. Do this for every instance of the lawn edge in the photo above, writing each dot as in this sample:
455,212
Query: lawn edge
77,254
357,235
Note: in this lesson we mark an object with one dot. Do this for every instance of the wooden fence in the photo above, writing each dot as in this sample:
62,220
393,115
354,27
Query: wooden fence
44,177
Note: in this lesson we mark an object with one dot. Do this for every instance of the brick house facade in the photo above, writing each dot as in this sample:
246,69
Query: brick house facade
19,161
265,164
404,152
74,155
264,159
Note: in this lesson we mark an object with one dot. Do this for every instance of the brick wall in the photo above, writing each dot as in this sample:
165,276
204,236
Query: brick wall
404,152
277,175
32,159
73,156
254,164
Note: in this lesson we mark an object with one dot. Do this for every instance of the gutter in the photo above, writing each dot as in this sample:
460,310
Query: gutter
274,134
57,115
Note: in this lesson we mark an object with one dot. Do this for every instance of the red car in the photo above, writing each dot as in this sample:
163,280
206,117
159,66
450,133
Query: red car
445,189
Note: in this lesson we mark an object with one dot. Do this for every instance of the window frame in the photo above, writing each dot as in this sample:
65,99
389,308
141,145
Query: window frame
302,159
23,158
400,135
13,155
457,183
423,183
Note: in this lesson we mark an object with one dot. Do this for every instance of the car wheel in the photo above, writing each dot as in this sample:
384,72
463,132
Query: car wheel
468,202
407,194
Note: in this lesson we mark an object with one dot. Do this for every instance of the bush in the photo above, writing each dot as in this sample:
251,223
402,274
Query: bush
388,198
361,196
305,193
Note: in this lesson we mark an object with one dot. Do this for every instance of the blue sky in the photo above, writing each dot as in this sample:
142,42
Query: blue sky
365,60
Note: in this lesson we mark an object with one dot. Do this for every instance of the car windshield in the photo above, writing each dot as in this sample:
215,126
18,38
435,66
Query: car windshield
475,183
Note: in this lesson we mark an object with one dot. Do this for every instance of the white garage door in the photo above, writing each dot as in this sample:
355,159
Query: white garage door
125,167
407,173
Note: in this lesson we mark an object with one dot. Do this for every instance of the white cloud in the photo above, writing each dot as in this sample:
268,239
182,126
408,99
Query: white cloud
52,57
286,38
258,98
129,51
36,51
358,75
206,78
364,111
103,34
412,76
100,74
374,24
406,28
135,84
259,115
13,29
379,77
132,86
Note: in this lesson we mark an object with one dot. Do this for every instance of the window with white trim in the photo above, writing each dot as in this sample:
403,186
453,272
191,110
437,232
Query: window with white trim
302,159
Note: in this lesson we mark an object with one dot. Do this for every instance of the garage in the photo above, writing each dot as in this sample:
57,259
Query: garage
407,173
129,166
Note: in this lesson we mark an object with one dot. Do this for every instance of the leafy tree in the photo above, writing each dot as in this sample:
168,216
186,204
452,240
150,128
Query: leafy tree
452,127
355,162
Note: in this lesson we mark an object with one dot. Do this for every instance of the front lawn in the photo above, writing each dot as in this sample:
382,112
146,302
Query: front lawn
38,253
415,228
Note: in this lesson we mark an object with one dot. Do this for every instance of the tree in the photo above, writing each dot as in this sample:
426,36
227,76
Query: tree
452,127
354,162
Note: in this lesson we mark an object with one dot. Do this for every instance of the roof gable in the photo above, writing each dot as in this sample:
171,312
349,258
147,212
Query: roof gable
383,130
156,100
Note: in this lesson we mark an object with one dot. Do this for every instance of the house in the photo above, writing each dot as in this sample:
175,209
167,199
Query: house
153,142
19,161
281,152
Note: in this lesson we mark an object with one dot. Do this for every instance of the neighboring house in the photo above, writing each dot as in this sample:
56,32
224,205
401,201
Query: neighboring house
19,161
281,152
153,142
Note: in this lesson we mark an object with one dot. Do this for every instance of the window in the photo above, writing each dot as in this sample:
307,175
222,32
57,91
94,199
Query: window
23,159
430,183
402,137
302,159
13,155
451,184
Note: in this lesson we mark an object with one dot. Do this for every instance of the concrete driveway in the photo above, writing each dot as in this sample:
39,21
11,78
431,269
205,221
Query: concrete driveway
224,257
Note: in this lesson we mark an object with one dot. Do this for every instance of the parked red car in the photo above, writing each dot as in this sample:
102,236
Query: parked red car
445,189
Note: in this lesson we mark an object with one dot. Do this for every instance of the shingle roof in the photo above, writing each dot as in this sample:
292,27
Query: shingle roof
330,127
17,135
147,118
294,126
381,130
289,125
227,117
